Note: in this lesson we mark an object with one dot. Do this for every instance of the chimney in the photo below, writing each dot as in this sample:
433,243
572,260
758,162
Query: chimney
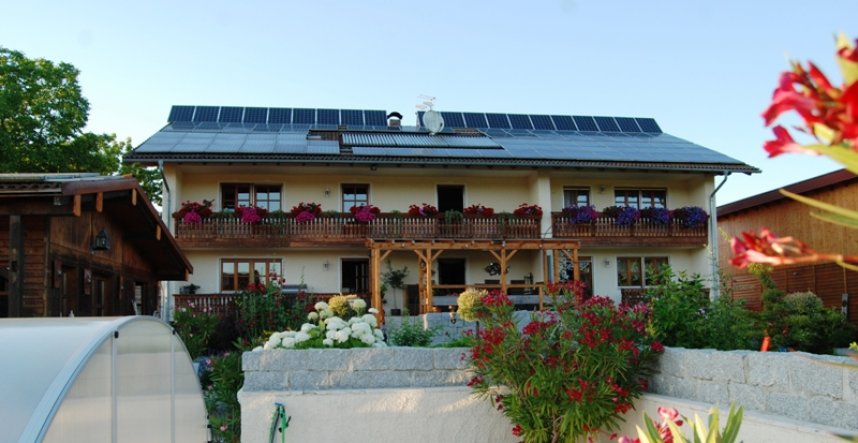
394,119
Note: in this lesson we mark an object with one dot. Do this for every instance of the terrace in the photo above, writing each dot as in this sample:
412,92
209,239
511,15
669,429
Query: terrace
342,229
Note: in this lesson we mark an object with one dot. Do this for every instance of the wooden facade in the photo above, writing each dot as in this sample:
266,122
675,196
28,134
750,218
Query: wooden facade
54,267
786,217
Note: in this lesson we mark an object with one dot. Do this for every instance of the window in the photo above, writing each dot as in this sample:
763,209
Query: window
355,195
576,197
641,198
633,271
585,273
234,195
236,274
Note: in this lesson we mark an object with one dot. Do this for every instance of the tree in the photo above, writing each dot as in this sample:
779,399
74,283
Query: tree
42,114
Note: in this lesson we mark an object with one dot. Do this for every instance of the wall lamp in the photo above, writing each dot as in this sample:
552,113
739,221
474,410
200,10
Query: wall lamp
326,265
606,262
327,192
101,242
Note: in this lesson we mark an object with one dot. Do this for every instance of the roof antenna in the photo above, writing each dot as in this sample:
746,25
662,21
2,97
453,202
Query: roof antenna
432,120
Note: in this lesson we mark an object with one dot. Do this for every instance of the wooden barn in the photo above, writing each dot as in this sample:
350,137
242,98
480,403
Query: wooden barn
786,217
84,244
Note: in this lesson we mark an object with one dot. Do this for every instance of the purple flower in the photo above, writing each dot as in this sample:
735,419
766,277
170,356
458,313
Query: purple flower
192,218
691,216
659,216
364,215
305,217
627,216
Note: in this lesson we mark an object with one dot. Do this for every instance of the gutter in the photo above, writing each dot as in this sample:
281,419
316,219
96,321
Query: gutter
168,200
715,290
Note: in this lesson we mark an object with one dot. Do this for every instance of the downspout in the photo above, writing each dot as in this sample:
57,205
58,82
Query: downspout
715,290
168,197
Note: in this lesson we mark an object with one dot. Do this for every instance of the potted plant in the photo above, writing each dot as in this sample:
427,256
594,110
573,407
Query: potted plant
364,213
306,212
528,210
479,211
423,210
690,216
394,278
251,214
193,212
578,215
622,215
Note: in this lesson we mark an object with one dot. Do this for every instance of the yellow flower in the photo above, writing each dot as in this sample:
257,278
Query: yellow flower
468,300
339,304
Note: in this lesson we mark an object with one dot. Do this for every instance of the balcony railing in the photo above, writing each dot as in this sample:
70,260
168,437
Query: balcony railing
643,230
344,227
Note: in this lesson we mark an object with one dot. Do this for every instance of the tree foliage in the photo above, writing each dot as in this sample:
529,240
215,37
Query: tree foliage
42,115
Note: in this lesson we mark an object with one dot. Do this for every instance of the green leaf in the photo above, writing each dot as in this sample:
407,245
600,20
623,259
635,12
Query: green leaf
841,154
836,219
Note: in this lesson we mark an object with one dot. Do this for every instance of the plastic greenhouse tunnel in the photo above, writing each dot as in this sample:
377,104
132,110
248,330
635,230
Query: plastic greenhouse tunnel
97,380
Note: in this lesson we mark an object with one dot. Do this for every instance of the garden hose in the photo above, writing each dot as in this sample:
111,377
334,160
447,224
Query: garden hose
279,422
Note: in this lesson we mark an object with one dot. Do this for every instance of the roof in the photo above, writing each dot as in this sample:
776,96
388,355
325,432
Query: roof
837,178
235,134
123,200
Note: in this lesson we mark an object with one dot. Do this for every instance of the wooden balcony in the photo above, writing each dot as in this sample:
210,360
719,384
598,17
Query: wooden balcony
645,232
341,229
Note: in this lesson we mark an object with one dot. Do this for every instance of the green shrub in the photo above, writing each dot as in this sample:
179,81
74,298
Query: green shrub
221,397
411,332
195,329
262,309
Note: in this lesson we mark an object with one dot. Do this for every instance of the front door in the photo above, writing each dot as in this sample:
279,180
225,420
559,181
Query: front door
451,198
355,275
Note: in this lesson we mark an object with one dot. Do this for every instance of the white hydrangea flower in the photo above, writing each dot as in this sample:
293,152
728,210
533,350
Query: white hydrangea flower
307,327
321,306
368,339
331,335
372,311
313,316
257,349
335,324
301,337
328,342
370,319
288,342
358,304
379,344
361,329
343,335
378,333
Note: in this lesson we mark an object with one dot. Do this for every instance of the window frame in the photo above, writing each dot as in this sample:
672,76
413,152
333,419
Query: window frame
577,192
251,266
634,197
643,263
355,201
252,192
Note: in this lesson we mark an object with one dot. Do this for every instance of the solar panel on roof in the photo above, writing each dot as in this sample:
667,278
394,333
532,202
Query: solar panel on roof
375,118
498,121
453,119
304,116
182,125
627,124
520,121
585,123
542,122
208,125
230,114
280,115
564,123
181,114
607,124
475,120
255,115
352,117
648,125
327,117
206,114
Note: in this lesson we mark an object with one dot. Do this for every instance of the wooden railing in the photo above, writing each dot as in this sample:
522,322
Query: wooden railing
563,227
215,304
344,227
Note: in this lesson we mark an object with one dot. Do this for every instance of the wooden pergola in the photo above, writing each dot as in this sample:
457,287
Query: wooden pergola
428,251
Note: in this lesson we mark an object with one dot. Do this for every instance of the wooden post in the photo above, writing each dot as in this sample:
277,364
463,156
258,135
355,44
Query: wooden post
375,284
99,202
16,265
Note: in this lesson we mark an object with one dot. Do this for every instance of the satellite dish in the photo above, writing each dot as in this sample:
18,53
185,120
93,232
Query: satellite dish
433,121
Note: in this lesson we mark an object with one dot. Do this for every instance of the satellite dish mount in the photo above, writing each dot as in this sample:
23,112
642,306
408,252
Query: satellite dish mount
432,119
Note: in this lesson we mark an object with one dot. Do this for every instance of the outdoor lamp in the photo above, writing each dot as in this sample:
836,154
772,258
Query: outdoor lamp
101,241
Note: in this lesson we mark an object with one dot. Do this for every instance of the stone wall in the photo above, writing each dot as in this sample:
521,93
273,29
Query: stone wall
796,385
420,395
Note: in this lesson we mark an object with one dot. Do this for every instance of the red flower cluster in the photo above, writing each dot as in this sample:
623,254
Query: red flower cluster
193,212
829,112
365,213
526,209
311,207
770,249
479,210
251,214
424,210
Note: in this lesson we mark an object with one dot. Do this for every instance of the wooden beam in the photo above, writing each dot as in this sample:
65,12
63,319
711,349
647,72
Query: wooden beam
385,254
428,298
158,232
99,202
133,197
375,284
76,205
16,266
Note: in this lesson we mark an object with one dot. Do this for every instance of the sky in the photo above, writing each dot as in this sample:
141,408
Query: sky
704,70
